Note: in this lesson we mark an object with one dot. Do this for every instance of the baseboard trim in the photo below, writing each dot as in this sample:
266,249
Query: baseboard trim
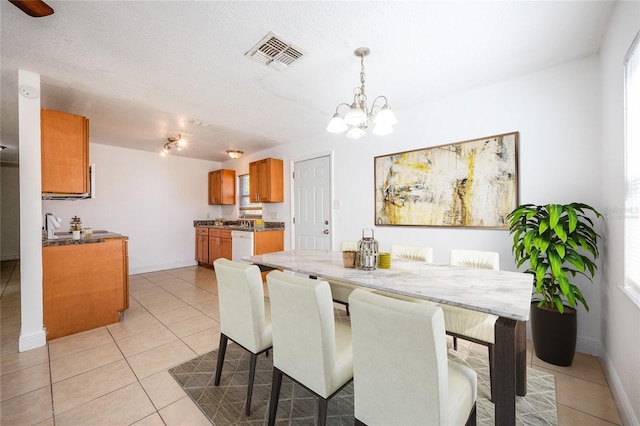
162,267
32,341
619,396
588,346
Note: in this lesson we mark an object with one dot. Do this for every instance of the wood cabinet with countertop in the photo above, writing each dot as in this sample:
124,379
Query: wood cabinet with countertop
266,181
222,187
219,244
202,245
64,152
268,242
85,285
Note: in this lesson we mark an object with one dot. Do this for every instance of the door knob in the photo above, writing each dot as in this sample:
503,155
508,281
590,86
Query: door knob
326,232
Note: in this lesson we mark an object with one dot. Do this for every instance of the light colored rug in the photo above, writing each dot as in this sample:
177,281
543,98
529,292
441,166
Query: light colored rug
224,404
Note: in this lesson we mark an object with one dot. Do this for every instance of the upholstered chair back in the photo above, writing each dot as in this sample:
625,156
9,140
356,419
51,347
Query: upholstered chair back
304,336
423,254
242,309
401,371
475,259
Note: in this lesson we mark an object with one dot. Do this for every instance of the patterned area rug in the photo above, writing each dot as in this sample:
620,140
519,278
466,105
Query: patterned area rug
224,404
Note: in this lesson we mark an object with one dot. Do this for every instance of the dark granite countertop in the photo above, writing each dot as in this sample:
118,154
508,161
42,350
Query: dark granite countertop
236,226
66,238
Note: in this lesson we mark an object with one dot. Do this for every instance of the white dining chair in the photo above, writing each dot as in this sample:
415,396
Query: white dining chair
466,324
340,291
309,346
244,315
401,372
419,253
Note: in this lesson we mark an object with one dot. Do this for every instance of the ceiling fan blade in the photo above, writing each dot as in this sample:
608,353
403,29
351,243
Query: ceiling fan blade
35,8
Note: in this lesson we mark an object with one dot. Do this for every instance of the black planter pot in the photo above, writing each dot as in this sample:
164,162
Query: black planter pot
554,334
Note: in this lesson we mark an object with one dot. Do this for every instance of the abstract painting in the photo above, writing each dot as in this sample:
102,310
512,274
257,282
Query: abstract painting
465,184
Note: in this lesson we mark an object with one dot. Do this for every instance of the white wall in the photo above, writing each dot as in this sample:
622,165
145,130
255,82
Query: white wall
149,198
32,333
620,316
9,211
556,111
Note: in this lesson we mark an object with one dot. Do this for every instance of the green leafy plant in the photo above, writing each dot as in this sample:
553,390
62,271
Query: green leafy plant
558,241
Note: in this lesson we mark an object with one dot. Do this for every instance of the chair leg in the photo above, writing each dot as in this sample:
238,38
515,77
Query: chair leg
276,382
455,343
252,375
491,369
221,351
471,420
322,411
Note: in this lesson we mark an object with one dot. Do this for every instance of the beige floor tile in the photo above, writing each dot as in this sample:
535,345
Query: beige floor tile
9,345
20,360
590,398
152,420
135,321
24,381
569,417
48,422
165,306
27,409
204,341
184,412
79,342
586,367
162,389
193,325
177,315
158,336
132,405
159,359
80,389
81,362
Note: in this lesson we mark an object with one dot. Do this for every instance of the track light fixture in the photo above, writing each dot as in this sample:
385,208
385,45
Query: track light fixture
174,143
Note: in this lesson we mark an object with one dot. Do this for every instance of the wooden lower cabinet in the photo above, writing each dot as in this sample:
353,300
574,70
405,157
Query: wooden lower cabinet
219,244
202,245
268,242
85,286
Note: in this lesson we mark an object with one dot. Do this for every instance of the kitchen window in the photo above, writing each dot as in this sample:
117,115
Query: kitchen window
247,208
632,172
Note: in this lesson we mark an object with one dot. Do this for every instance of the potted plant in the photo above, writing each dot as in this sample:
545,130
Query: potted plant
558,242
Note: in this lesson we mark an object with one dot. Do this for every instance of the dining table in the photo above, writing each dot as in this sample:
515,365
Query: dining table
506,294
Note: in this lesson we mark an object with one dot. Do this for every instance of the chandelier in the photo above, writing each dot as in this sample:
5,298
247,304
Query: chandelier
358,117
174,143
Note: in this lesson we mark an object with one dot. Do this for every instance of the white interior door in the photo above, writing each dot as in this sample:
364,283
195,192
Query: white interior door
312,203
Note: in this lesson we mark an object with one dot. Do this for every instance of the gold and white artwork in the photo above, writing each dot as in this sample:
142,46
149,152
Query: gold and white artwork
470,184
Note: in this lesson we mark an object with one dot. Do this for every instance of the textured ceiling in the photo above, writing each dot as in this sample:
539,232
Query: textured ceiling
141,70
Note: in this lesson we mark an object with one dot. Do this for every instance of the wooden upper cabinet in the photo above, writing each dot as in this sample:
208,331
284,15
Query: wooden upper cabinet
65,152
222,187
266,181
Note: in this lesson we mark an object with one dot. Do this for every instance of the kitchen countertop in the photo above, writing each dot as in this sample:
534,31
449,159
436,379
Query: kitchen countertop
66,238
235,226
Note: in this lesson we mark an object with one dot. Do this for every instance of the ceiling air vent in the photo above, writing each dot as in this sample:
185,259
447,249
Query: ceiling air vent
274,52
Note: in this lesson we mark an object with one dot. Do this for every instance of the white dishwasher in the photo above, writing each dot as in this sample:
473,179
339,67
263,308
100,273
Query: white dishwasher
241,244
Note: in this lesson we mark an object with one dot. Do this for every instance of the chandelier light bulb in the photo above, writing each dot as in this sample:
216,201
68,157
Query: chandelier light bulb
385,117
355,116
337,124
355,133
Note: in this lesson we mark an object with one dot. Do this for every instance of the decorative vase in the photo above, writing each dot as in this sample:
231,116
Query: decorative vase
554,334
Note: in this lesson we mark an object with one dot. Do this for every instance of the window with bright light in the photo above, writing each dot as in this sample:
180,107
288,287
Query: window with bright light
247,208
632,171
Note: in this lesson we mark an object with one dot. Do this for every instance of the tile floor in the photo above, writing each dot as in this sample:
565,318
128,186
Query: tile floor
117,375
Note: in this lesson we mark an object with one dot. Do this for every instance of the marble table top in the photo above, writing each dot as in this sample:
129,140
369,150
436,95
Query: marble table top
503,293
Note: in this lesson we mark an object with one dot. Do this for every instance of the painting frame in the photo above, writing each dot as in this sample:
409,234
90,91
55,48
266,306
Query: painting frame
467,184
